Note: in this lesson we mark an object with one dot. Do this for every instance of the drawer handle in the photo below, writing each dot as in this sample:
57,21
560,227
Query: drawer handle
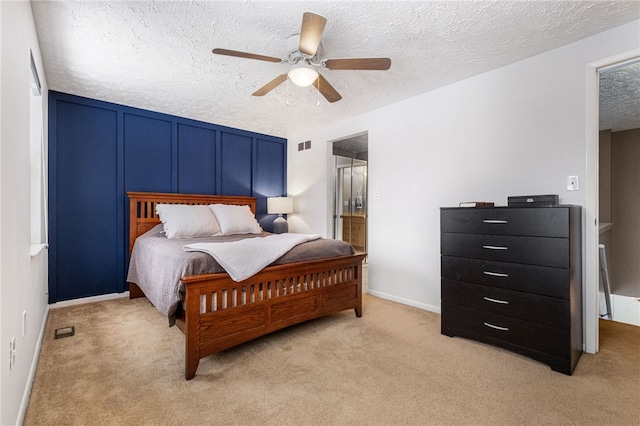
495,247
494,221
496,327
488,299
495,274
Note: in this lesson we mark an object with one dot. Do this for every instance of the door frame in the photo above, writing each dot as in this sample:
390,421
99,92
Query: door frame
591,268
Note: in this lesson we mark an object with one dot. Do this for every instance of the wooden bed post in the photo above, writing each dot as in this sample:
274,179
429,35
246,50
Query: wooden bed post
358,271
192,332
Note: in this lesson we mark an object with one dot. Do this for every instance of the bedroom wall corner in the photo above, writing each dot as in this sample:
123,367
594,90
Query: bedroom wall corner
23,277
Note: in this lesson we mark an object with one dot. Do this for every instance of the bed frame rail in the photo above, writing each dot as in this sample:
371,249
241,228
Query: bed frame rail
220,313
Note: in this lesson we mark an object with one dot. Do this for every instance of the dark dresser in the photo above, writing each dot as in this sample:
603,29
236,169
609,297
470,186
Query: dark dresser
512,277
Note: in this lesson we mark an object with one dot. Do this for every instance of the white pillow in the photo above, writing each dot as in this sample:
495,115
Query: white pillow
184,221
235,219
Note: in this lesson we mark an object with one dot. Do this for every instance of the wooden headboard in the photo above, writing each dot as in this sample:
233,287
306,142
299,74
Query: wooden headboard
142,207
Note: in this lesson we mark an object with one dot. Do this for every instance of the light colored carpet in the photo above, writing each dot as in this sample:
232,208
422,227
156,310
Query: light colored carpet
392,366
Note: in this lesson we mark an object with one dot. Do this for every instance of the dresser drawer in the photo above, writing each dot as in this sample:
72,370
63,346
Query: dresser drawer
526,306
549,340
541,222
542,251
544,280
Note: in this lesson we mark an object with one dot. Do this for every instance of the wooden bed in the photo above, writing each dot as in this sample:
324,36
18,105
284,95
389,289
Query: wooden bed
214,319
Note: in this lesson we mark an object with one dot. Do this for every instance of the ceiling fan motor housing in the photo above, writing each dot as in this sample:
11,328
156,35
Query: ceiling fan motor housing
295,56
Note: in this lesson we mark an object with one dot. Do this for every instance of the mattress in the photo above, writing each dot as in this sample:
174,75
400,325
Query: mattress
157,263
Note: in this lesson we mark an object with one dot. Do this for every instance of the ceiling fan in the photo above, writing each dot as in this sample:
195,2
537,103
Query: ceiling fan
303,56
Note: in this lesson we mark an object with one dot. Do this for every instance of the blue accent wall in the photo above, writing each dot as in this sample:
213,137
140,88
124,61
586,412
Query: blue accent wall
197,160
236,164
99,150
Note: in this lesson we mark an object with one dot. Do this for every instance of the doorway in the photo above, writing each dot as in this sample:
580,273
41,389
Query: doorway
618,198
350,202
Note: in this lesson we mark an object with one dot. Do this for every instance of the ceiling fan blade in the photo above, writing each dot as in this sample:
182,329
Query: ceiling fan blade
311,32
326,89
358,64
246,55
270,85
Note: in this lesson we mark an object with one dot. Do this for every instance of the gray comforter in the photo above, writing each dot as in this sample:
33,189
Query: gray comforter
157,263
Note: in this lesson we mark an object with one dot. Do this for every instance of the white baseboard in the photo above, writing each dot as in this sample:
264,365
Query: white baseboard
91,299
404,301
32,371
625,309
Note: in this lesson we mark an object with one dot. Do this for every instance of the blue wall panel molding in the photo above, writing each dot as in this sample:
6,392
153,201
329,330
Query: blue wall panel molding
148,162
235,164
85,188
99,150
269,171
196,160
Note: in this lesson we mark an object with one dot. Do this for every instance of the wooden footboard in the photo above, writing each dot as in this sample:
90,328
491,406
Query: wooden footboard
221,313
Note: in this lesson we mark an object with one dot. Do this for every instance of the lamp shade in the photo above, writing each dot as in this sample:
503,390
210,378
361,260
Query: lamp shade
303,76
279,205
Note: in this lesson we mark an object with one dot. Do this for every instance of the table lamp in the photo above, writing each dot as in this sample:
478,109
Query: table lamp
280,206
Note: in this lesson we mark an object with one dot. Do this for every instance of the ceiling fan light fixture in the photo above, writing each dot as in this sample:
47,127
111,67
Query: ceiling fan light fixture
303,76
305,55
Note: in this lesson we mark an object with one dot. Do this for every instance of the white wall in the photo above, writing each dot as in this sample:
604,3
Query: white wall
518,130
23,279
625,200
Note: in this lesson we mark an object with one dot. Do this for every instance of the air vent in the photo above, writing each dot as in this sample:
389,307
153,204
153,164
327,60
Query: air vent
304,145
64,332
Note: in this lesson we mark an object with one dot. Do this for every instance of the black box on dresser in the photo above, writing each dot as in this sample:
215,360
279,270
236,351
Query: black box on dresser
532,200
512,277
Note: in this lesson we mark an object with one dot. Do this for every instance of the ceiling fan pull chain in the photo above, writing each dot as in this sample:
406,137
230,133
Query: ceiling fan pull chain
318,93
287,90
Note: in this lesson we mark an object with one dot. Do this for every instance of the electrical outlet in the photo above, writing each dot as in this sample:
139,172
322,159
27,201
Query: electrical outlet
572,183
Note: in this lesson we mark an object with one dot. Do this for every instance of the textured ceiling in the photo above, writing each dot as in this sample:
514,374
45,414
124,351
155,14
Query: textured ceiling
157,55
352,147
620,97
